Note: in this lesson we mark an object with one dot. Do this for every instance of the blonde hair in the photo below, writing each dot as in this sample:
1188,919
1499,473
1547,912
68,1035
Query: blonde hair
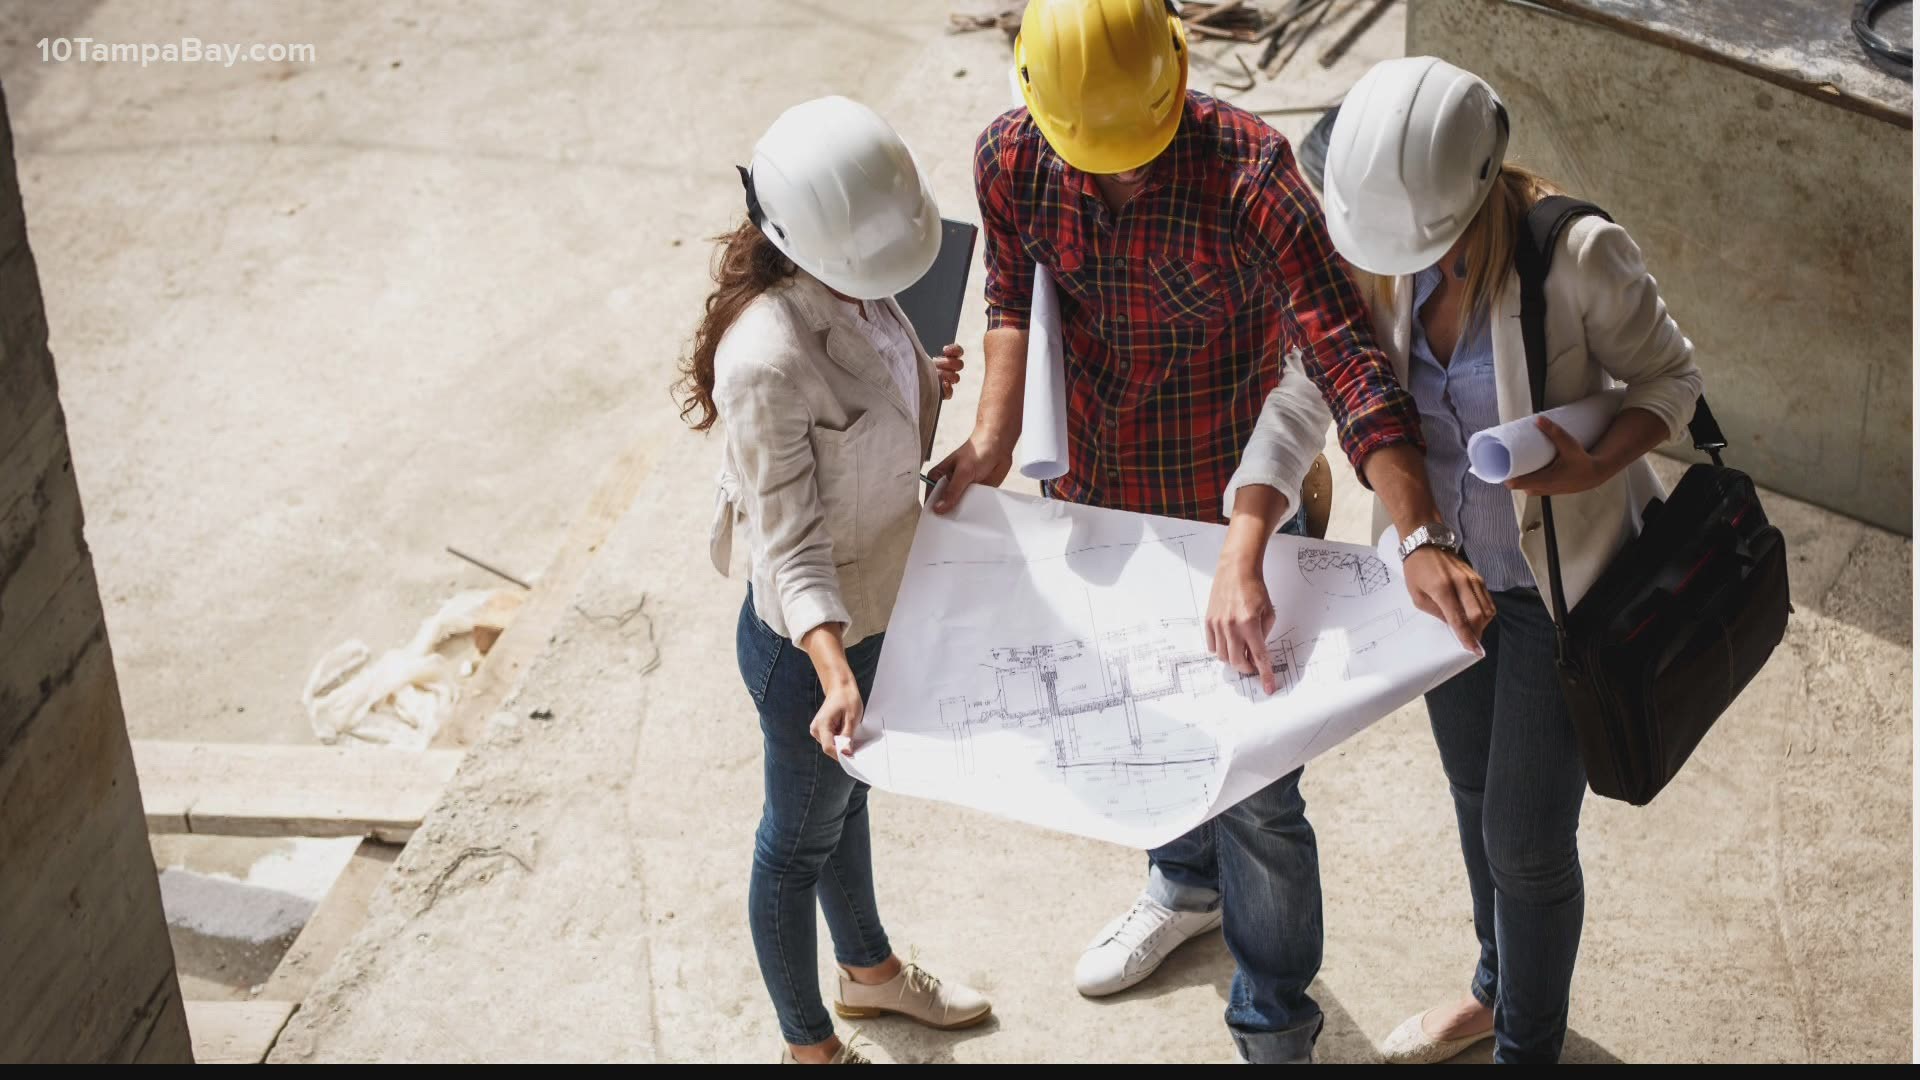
1487,247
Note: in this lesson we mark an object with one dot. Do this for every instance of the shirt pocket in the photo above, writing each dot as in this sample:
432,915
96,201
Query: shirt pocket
839,455
1183,291
1185,303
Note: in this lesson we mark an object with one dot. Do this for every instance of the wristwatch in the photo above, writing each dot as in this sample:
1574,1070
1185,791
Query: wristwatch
1430,536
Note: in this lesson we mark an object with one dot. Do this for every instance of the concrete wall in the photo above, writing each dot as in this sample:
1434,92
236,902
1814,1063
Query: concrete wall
86,971
1779,226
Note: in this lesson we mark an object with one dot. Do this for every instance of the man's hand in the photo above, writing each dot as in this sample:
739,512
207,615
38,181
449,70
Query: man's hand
948,368
839,716
982,459
1239,611
1239,618
1444,586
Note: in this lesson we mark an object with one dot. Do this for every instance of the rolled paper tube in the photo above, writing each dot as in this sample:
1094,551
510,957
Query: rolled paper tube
1499,454
1042,453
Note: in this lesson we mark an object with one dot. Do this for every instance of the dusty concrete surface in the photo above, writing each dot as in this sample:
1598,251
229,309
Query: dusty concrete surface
318,323
580,895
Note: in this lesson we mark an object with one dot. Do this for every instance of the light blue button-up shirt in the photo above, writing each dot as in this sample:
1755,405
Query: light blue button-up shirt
1455,400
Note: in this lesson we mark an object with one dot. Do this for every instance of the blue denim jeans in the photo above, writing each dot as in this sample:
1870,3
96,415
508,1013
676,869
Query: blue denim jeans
1259,863
1509,751
813,839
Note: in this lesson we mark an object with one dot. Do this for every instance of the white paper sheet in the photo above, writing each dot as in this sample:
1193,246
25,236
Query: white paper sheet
1498,454
1047,662
1042,452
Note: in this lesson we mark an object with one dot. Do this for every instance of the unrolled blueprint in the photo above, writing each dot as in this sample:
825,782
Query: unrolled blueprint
1047,662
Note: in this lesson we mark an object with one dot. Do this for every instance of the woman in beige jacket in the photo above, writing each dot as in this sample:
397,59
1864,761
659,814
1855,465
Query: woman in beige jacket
828,401
1418,194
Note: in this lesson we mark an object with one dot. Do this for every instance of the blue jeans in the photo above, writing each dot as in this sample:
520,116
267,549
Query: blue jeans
813,840
1509,751
1257,862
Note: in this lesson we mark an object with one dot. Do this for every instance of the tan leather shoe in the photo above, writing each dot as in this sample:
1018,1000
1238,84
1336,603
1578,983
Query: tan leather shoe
916,995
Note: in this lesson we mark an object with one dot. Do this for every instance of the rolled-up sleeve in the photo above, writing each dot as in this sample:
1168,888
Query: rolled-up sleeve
1629,333
767,427
1283,235
1009,272
1286,438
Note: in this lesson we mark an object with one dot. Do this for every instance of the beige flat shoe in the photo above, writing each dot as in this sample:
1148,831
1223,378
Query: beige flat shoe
916,995
854,1050
1411,1045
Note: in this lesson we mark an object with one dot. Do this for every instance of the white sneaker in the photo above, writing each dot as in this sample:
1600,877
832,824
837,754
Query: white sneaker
1134,945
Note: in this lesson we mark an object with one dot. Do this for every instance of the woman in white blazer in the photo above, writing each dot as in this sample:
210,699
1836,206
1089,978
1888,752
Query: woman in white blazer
828,401
1419,197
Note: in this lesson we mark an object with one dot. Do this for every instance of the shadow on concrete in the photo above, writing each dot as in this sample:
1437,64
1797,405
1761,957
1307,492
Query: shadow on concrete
22,24
911,1044
1205,961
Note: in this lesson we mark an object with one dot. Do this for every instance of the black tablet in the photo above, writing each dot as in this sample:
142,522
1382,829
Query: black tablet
933,303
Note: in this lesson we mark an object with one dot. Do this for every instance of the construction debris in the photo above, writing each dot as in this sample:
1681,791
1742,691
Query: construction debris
400,699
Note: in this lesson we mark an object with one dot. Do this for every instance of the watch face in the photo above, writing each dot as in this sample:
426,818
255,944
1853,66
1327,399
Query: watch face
1443,536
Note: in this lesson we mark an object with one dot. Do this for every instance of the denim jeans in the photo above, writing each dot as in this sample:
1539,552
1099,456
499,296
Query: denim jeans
813,840
1259,863
1509,751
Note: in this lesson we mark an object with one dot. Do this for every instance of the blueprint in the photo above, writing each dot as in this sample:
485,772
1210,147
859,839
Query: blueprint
1047,662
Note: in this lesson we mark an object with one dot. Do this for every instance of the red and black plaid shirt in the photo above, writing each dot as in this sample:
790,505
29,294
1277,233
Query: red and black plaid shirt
1176,311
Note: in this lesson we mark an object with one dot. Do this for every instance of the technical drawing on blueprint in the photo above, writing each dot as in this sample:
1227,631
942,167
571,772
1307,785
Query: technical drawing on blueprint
1047,662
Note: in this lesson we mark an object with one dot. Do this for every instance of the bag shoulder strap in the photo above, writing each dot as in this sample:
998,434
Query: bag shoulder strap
1533,257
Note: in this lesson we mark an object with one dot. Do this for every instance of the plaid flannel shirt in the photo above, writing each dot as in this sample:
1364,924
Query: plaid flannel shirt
1176,312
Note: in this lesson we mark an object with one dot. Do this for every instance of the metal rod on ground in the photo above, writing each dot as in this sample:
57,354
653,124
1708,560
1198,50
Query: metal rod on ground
1282,30
488,567
1360,26
1292,110
1318,18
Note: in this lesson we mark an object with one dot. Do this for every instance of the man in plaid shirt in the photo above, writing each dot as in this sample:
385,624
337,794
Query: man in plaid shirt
1189,258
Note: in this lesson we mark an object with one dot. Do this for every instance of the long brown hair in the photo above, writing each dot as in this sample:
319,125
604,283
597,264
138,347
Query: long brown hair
1487,245
745,264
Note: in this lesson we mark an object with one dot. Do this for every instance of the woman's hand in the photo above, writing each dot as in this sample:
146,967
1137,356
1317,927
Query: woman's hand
1572,470
948,367
838,717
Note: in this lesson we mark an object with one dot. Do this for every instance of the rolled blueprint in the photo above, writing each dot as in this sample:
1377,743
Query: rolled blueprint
1042,453
1499,454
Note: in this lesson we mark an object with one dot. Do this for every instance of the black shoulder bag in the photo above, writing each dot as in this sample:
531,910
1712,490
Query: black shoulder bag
1684,615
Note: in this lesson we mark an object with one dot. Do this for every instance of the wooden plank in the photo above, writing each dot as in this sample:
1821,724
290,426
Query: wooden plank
235,1032
332,924
526,638
241,789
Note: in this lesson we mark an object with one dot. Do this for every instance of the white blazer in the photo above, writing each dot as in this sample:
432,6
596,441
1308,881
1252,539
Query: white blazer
821,464
1606,323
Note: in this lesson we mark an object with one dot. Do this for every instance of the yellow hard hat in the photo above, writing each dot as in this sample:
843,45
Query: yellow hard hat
1106,80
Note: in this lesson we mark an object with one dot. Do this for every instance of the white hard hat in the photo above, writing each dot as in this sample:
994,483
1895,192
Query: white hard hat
838,192
1417,146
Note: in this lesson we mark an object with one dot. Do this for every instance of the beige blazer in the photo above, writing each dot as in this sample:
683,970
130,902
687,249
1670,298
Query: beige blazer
821,462
1606,325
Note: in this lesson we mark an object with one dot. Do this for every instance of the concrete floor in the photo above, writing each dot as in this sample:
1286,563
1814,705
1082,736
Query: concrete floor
314,324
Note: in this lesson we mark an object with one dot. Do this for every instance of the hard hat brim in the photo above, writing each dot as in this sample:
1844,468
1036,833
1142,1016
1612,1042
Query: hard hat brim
1387,257
1107,157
